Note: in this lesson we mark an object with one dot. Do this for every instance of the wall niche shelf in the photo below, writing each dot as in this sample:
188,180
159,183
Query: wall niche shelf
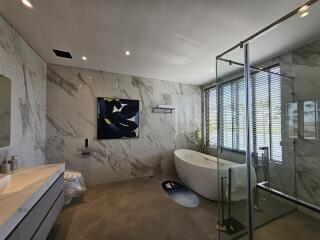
162,110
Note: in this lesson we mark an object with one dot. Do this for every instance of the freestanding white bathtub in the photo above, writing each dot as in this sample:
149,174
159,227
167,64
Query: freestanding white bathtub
200,171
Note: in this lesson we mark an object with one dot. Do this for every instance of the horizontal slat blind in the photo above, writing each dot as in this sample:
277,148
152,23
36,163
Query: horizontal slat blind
276,109
266,113
232,115
211,117
266,109
260,111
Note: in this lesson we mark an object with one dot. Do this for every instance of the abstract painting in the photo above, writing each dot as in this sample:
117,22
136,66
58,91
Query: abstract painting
118,118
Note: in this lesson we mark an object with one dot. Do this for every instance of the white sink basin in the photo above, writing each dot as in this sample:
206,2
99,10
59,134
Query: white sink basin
4,182
22,180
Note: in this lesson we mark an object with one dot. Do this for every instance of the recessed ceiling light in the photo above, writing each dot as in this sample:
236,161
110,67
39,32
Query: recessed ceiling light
27,3
304,14
303,8
84,58
211,70
127,53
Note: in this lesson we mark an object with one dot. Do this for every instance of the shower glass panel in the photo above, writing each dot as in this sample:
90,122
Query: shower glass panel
231,144
289,177
284,128
272,151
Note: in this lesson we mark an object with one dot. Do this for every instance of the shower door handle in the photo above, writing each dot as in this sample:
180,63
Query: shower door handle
265,162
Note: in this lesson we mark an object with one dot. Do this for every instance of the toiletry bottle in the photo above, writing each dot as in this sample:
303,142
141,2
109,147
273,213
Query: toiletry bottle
6,166
14,164
2,168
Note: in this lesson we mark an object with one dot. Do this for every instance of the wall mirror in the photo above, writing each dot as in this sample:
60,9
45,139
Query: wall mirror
5,111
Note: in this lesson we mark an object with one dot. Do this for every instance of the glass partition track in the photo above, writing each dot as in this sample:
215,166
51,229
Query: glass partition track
248,147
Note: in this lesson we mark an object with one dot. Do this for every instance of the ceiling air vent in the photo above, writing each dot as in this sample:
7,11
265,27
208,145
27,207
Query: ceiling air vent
62,53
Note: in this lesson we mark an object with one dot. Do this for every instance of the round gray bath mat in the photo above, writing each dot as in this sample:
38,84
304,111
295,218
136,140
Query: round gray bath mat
181,194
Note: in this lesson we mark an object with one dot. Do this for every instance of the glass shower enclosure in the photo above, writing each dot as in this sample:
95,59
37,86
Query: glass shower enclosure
268,128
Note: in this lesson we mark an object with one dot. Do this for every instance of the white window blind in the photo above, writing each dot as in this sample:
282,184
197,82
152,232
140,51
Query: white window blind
260,111
232,115
267,112
266,109
211,117
276,109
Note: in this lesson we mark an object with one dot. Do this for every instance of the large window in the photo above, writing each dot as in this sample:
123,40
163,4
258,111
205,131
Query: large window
266,113
211,116
232,115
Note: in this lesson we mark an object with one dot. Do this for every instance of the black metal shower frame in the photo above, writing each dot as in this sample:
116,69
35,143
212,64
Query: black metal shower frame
245,45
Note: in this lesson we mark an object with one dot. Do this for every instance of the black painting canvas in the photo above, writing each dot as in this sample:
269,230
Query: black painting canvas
118,118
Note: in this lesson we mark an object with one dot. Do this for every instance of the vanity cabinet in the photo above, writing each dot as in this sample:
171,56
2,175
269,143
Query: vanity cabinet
13,235
40,219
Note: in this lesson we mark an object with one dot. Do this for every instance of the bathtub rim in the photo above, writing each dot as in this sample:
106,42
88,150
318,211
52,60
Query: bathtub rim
227,163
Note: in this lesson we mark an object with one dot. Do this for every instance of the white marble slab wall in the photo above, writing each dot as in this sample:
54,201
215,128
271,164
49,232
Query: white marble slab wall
299,173
72,115
306,69
27,71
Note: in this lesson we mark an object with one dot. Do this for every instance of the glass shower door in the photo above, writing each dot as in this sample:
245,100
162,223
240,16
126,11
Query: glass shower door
285,94
231,154
283,108
271,151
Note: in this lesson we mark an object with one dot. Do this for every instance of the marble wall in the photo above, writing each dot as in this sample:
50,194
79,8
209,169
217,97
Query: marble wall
299,174
306,70
27,71
71,117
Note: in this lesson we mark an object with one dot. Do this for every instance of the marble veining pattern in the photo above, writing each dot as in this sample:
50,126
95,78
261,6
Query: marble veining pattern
306,67
27,71
71,117
298,175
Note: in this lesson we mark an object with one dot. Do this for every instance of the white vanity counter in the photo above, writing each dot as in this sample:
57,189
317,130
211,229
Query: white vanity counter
21,190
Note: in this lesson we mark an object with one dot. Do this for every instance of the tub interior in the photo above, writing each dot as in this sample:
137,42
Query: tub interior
202,160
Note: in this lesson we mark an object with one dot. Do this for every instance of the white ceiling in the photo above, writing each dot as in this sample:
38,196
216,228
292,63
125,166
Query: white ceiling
292,34
174,40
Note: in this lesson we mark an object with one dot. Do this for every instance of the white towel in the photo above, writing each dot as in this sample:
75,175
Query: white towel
239,181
